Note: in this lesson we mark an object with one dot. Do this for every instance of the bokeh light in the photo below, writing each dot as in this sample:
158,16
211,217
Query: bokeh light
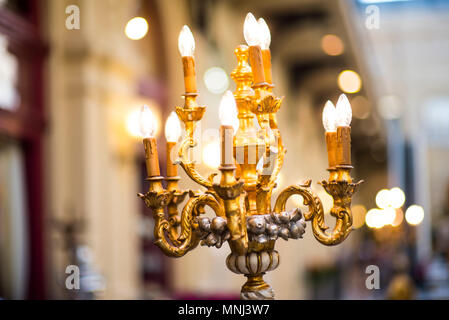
136,28
211,154
383,198
216,80
388,216
349,81
397,197
398,218
332,45
374,218
414,214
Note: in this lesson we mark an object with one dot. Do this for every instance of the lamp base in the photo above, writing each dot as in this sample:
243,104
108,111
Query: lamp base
256,289
254,265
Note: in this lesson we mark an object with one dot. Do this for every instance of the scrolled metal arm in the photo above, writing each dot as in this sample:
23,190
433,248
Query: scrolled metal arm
187,239
341,192
188,166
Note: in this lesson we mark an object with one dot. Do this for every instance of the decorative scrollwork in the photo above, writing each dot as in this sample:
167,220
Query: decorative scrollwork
266,105
187,239
188,166
341,192
154,199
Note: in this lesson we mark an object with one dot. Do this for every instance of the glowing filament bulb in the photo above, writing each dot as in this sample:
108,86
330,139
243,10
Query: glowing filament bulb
264,34
251,30
172,128
186,42
344,111
227,111
330,117
147,122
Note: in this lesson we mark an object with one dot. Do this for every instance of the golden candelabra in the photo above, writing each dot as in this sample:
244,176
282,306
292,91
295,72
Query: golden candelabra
241,199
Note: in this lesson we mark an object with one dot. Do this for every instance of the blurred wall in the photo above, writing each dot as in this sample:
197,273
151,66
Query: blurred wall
91,173
406,65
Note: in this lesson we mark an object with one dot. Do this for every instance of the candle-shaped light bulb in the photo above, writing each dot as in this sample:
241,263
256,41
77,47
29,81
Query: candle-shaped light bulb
264,34
227,111
186,42
344,117
251,30
186,45
172,128
147,122
329,117
344,111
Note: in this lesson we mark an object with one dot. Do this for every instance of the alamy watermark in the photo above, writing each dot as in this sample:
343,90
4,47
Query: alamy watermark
72,282
372,20
373,280
72,22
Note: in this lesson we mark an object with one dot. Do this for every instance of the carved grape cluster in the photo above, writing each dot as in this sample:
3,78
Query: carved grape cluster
261,228
213,233
270,227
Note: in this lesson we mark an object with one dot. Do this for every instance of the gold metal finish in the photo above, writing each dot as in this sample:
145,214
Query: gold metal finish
242,199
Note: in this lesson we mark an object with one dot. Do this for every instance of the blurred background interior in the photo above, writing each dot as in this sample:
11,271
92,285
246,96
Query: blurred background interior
71,160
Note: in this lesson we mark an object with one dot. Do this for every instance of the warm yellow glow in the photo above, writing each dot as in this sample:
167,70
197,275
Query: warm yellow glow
398,218
329,117
397,197
186,42
227,111
211,154
349,81
388,216
172,128
383,198
332,45
251,30
414,214
264,34
216,80
136,28
147,122
374,218
343,111
358,215
134,122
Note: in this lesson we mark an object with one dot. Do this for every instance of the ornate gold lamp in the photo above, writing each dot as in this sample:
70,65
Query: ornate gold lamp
251,159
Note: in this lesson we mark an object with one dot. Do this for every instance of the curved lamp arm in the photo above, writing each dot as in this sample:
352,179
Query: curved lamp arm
162,228
189,166
190,115
341,192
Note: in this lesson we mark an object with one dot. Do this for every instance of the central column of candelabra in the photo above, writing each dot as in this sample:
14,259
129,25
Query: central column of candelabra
248,145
